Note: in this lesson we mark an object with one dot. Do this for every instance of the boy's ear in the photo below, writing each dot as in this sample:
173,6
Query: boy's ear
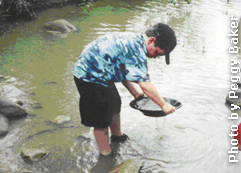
152,40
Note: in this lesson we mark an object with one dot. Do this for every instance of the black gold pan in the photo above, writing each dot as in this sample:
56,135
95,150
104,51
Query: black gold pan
150,108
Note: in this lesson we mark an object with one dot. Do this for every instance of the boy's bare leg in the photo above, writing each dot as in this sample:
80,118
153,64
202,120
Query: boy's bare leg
115,125
102,139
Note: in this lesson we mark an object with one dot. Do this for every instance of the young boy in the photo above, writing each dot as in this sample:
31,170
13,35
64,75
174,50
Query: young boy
118,57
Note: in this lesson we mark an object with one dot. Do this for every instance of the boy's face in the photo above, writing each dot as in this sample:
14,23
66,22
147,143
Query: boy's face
152,50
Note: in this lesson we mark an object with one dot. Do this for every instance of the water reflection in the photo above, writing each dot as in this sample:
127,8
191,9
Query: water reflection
194,139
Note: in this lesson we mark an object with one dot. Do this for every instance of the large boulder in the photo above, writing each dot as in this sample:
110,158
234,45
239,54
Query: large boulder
10,109
60,27
4,125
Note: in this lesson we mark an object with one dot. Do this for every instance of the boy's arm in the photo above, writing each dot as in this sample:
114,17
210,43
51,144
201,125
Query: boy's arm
133,89
151,92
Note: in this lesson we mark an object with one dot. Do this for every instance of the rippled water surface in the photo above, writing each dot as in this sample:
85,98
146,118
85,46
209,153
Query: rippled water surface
192,140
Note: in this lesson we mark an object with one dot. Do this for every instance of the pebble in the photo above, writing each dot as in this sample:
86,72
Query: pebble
61,119
34,154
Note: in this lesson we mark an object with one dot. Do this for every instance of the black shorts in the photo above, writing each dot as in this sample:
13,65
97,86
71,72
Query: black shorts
97,103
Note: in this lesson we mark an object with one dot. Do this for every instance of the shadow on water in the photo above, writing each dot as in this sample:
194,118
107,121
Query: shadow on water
193,139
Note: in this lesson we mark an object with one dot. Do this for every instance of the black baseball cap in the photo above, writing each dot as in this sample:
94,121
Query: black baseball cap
165,39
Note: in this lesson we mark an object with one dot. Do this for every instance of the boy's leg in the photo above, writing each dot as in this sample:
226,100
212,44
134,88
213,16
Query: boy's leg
93,105
102,139
115,126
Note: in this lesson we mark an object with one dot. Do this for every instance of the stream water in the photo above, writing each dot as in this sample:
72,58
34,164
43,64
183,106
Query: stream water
195,139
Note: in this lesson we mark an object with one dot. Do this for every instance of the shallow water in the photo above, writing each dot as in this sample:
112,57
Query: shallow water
193,139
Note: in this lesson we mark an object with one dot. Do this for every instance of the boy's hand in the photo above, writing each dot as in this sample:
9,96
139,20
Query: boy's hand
168,108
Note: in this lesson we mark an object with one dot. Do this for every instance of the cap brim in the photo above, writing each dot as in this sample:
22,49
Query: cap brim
167,59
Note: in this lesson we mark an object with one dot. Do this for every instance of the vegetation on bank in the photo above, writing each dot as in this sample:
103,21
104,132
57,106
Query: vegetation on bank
22,8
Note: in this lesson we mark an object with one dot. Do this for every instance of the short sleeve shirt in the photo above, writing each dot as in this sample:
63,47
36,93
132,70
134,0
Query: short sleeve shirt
102,60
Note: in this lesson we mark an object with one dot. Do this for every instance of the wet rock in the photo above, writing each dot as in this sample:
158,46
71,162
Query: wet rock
85,136
10,91
132,166
60,27
4,125
34,154
11,79
236,101
61,119
10,109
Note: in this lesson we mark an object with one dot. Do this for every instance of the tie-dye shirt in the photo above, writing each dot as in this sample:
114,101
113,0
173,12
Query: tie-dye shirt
102,60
